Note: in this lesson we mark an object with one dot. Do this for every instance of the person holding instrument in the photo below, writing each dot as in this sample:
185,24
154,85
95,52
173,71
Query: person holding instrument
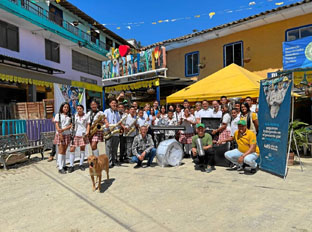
96,116
62,136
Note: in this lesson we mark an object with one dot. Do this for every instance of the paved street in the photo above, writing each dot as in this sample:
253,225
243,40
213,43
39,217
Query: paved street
34,197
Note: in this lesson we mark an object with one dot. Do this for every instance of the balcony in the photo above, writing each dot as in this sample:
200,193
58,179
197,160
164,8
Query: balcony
40,16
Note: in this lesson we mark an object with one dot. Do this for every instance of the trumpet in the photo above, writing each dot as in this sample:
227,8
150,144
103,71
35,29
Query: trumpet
132,128
111,130
97,125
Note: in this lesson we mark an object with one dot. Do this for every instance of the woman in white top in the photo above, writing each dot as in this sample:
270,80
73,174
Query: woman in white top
188,121
62,135
80,133
163,114
224,130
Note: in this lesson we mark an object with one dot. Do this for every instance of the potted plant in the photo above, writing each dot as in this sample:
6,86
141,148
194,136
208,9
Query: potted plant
300,134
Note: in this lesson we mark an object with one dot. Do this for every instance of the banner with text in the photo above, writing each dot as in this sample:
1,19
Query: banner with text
297,53
274,113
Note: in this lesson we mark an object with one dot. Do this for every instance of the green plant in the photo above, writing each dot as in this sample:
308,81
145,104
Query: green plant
300,133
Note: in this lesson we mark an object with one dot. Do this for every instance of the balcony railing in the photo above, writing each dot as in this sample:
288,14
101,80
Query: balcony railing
52,17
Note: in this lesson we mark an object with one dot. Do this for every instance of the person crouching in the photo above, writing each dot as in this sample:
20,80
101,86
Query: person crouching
143,148
206,160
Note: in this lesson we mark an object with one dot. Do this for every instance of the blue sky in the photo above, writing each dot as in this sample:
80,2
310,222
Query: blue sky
153,21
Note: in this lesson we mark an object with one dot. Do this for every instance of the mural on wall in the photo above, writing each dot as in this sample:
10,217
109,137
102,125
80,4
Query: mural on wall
126,61
72,95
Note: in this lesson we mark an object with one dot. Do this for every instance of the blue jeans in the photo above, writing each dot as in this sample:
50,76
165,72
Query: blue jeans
149,156
233,156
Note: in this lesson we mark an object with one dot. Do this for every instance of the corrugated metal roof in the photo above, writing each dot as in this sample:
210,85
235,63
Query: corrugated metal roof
226,25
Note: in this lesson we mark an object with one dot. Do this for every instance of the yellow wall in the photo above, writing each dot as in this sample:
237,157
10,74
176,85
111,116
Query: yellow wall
263,45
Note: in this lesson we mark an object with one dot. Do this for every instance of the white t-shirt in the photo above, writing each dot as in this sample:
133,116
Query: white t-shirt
234,126
129,122
217,114
188,126
253,108
142,122
227,120
171,122
81,123
177,116
65,122
204,113
197,114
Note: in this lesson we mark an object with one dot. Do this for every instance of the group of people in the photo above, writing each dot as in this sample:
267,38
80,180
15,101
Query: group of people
128,128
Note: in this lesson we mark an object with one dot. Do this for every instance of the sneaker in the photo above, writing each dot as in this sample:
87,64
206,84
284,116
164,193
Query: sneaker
65,168
253,170
70,169
240,168
234,167
50,158
111,165
208,169
81,167
62,171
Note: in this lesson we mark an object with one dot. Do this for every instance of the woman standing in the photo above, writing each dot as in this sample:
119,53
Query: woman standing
188,121
250,117
62,136
93,116
163,114
80,133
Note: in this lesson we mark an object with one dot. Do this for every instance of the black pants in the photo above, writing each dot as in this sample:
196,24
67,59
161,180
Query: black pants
208,158
53,150
122,150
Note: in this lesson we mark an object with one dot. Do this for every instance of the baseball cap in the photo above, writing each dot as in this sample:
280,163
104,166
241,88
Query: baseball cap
200,125
242,122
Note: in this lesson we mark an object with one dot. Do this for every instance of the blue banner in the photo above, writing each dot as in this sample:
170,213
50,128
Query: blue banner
297,53
274,113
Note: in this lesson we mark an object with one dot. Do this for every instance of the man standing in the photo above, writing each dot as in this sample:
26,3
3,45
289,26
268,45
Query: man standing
135,105
143,148
206,160
129,127
205,112
252,107
122,147
247,152
111,144
216,112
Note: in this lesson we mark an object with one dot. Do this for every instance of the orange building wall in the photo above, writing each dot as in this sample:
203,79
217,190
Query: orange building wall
262,45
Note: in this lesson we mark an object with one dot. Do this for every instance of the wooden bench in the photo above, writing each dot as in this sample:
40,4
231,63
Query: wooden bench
47,140
10,144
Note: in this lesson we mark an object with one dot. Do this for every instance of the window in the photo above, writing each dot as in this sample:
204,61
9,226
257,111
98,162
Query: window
52,51
298,32
94,35
9,36
109,44
86,64
191,64
117,45
233,53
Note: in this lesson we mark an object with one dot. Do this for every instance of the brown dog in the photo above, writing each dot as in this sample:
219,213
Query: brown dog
96,166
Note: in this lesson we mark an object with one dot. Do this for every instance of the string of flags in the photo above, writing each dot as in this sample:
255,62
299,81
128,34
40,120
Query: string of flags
251,5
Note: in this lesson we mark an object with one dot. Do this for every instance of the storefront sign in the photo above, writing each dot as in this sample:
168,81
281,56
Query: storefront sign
297,53
274,112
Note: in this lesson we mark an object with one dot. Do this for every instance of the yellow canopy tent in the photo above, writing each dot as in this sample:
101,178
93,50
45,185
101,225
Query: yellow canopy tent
231,81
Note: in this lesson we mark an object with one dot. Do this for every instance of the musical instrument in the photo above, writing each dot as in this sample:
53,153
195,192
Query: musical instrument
169,152
132,127
97,125
110,131
167,127
199,146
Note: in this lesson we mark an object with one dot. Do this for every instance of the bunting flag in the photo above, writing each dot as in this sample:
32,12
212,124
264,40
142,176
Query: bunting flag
211,14
133,86
23,80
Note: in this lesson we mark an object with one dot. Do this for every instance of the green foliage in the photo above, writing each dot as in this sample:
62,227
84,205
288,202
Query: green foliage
300,132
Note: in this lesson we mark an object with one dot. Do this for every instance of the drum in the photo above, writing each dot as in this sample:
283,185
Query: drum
169,152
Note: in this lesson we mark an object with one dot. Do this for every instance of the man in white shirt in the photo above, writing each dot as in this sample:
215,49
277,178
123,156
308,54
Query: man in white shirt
216,112
111,144
205,112
234,120
130,124
252,107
